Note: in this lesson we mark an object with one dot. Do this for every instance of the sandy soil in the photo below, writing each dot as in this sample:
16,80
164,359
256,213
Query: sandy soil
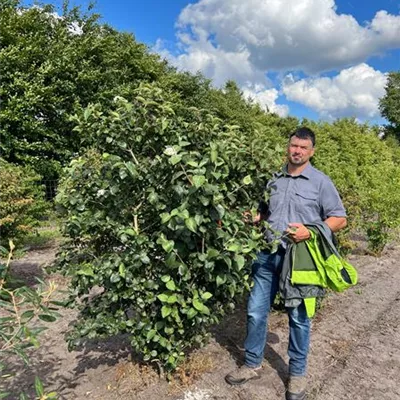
355,349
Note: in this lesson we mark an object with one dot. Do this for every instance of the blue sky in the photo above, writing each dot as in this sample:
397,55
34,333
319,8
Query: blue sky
320,59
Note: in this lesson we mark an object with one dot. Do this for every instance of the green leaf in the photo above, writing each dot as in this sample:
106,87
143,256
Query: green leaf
28,314
234,247
163,297
165,278
212,253
198,305
86,270
167,245
144,259
192,163
240,261
165,311
47,317
175,159
206,295
131,168
221,211
220,280
172,299
247,180
191,224
205,310
198,180
191,313
183,270
165,217
164,124
151,334
171,285
153,198
122,270
39,387
87,113
170,260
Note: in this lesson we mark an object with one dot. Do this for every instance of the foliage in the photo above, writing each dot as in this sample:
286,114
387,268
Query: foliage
154,216
389,104
357,160
20,307
22,202
50,68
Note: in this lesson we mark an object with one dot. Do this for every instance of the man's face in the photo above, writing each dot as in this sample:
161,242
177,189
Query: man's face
299,150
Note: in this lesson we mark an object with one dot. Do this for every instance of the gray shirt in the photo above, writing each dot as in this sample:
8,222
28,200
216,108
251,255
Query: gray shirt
307,198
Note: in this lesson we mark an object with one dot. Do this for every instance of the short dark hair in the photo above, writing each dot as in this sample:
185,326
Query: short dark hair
304,133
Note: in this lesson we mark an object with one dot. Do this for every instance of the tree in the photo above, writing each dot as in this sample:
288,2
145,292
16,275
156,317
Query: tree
390,104
51,67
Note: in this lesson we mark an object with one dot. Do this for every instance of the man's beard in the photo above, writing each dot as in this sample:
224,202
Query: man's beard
296,161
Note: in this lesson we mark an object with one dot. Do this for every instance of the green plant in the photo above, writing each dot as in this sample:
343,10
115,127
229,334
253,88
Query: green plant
378,236
22,203
366,172
20,307
154,216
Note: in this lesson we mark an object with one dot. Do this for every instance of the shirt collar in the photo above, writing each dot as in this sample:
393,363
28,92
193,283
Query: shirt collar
306,173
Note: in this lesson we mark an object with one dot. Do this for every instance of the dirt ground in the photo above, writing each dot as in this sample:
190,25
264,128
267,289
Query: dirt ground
355,349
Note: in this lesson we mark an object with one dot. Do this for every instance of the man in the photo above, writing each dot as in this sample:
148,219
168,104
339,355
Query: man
299,194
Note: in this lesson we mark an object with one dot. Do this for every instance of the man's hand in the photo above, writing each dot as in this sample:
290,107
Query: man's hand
297,232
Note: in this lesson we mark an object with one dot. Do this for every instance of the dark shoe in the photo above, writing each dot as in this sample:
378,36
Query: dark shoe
242,375
296,388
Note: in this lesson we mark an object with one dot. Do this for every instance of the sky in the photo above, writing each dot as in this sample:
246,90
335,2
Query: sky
316,59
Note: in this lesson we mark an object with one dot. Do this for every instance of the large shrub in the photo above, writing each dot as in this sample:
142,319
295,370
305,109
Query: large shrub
154,217
22,203
366,172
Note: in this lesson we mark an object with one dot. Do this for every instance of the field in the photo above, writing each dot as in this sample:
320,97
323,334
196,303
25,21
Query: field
355,350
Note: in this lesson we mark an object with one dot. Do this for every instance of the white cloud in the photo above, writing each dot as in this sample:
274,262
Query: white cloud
353,92
215,63
283,35
247,40
266,99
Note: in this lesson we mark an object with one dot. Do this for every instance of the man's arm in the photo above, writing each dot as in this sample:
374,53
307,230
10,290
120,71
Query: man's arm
298,232
336,223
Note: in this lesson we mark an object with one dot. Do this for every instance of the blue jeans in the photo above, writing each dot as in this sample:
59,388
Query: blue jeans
266,271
